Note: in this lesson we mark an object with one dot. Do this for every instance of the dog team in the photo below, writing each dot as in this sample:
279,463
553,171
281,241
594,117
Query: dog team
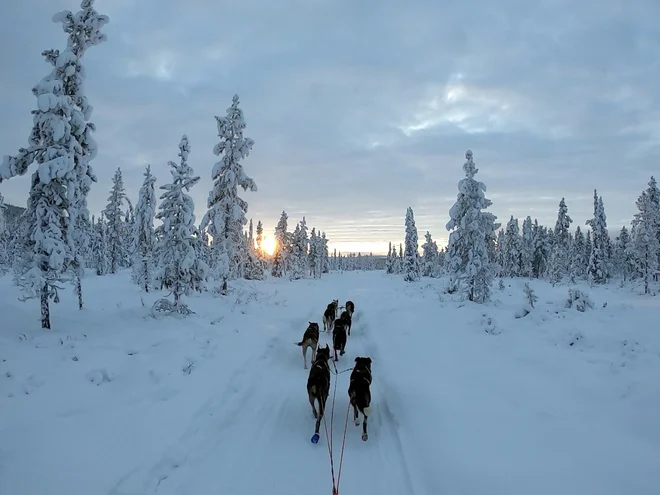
318,382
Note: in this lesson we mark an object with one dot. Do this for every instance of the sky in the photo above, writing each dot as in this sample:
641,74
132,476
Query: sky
361,109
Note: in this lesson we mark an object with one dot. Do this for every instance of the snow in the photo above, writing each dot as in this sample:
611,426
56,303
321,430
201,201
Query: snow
113,401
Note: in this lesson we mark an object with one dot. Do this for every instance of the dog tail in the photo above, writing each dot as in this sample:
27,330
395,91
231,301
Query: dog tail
367,411
299,343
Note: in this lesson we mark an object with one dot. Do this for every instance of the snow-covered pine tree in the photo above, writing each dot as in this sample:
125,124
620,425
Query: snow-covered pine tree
527,248
389,261
399,260
4,251
498,266
325,265
178,266
281,257
61,145
429,256
315,256
251,236
541,256
577,263
561,244
144,238
598,270
624,259
260,238
299,254
66,159
512,249
115,223
411,255
645,243
467,257
226,215
101,259
128,235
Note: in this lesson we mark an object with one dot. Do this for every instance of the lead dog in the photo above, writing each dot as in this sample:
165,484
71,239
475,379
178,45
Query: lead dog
330,315
350,307
359,392
318,384
339,337
310,339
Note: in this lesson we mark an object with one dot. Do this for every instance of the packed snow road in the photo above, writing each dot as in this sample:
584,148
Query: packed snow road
254,437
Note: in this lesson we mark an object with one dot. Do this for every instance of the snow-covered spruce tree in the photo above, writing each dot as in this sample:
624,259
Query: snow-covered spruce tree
325,263
625,261
541,251
389,260
512,249
101,259
498,265
282,247
429,256
115,223
178,266
4,244
598,270
299,254
226,215
260,238
561,244
315,256
62,146
128,235
399,260
467,258
645,243
577,263
143,232
527,248
411,254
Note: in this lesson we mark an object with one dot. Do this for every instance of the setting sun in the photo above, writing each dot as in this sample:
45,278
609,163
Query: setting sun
268,245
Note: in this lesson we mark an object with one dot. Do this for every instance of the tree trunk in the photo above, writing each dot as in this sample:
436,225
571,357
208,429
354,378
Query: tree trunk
45,309
146,274
79,290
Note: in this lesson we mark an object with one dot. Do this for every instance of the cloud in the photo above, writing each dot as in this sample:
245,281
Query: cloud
359,112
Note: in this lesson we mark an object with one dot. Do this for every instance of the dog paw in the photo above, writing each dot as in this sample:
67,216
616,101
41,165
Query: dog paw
357,422
365,437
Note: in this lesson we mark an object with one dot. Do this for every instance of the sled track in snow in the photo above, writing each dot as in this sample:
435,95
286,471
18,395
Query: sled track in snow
384,418
254,436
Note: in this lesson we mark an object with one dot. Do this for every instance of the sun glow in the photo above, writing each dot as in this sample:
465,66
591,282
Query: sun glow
268,245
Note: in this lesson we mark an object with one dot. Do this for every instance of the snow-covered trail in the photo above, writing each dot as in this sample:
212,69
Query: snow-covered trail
254,437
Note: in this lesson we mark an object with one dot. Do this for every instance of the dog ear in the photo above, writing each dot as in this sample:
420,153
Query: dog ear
356,359
369,360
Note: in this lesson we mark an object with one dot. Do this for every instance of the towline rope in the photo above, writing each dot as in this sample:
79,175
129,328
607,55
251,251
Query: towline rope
328,437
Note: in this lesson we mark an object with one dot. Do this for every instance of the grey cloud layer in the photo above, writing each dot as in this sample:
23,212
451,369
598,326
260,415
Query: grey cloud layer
357,112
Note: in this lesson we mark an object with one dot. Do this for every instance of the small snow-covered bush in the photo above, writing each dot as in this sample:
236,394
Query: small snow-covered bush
168,307
579,299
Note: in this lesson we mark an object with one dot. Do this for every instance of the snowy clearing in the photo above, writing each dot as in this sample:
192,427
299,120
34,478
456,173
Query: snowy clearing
120,403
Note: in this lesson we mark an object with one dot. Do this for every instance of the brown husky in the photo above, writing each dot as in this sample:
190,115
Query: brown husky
310,339
318,384
330,315
359,393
